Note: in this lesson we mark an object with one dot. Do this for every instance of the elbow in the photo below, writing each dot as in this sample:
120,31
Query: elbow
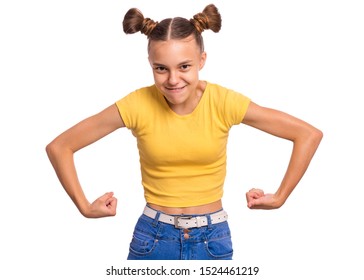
317,136
57,150
309,136
314,137
51,149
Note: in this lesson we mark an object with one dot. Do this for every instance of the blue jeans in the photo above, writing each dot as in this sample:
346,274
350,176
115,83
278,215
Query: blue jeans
154,240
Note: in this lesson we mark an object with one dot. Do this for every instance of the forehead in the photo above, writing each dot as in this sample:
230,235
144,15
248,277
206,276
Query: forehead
173,47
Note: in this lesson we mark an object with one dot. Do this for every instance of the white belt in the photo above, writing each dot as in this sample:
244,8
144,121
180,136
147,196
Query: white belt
187,221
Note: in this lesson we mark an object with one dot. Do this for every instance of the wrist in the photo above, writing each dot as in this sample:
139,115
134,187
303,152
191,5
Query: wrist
280,199
85,209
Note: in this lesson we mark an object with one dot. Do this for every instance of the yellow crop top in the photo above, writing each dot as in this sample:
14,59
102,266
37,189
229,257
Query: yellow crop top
182,158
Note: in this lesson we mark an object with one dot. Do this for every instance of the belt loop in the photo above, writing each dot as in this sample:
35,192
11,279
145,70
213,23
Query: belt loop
156,219
208,221
198,222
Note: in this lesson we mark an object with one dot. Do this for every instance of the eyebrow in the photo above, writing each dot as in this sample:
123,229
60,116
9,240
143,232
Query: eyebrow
189,61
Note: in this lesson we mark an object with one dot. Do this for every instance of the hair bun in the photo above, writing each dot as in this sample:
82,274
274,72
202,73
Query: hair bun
148,26
134,21
210,18
201,22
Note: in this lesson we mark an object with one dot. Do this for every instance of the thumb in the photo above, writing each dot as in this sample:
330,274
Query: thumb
255,201
107,195
108,198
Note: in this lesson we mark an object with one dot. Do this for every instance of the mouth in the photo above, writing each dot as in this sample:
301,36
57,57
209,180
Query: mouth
174,88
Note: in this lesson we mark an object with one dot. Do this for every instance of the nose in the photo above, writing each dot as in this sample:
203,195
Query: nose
173,78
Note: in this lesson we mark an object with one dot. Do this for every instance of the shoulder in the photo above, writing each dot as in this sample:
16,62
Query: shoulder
230,105
144,92
136,106
221,93
215,88
138,95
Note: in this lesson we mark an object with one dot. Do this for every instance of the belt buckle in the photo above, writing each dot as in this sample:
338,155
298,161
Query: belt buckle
176,218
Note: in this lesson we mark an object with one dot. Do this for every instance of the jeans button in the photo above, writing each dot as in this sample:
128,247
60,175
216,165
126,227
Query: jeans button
185,233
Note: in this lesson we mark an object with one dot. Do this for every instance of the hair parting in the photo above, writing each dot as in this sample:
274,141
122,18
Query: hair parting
173,28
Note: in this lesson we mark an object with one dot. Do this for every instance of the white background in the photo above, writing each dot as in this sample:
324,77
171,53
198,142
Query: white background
62,61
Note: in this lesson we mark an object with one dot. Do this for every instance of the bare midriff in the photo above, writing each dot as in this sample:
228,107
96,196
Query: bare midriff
200,209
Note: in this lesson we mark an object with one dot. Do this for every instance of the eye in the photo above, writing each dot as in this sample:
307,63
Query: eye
185,67
160,69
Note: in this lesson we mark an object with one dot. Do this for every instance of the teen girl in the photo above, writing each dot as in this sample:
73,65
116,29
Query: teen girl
181,124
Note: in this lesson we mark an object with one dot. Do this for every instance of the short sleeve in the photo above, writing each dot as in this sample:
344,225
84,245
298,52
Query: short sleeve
127,109
235,107
231,106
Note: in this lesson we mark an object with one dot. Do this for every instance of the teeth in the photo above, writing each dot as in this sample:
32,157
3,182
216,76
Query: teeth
175,88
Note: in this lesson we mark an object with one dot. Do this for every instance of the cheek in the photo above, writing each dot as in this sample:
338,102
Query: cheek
192,75
158,79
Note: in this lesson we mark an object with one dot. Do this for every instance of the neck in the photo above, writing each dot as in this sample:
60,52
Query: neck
191,104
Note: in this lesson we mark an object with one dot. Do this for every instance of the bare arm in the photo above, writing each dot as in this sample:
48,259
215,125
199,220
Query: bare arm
60,152
306,140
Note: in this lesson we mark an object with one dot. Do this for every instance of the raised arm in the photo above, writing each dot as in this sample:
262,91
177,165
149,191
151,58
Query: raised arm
60,152
305,138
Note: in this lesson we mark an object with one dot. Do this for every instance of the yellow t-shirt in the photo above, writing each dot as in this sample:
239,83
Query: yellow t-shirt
182,158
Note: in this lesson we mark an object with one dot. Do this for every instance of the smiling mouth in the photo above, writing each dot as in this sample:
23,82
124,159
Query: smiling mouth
175,88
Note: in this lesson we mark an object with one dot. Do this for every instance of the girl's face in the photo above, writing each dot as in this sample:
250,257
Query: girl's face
175,65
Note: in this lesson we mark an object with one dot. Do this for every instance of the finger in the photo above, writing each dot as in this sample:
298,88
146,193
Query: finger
112,206
258,191
106,196
109,194
111,201
253,203
254,194
264,202
255,189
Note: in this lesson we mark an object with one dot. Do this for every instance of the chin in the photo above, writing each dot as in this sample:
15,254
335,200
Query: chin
175,101
178,95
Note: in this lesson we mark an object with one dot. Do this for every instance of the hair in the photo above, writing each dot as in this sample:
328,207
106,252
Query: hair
173,28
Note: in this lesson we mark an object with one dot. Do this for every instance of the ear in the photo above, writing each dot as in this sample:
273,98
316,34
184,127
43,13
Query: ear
203,60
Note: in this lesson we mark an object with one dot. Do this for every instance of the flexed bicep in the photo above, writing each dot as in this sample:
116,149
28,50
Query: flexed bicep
277,123
90,129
